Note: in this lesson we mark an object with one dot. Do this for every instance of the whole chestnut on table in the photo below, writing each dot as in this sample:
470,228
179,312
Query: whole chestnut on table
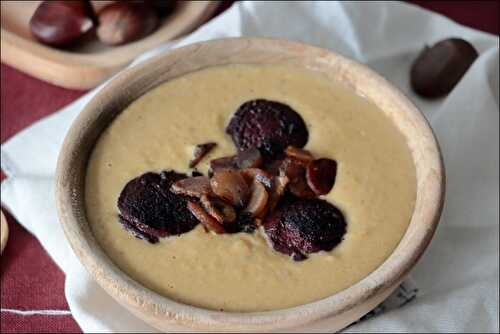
123,22
438,69
60,23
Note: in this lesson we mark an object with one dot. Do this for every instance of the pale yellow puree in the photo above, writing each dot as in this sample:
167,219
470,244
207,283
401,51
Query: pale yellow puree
375,188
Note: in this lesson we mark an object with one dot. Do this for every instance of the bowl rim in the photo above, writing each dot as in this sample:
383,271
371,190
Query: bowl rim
153,307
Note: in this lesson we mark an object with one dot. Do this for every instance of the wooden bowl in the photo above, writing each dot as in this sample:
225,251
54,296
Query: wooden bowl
331,313
87,64
4,231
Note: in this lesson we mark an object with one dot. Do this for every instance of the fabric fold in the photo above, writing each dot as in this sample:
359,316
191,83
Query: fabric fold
457,277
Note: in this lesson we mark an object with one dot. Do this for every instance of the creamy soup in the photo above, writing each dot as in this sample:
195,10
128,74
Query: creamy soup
375,188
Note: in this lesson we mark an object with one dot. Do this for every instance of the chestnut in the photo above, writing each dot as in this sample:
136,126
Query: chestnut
60,23
199,153
299,154
230,162
258,200
321,174
278,189
230,185
249,158
196,186
164,7
123,22
218,209
205,219
439,68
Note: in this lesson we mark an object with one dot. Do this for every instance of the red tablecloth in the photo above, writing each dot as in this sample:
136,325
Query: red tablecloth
29,278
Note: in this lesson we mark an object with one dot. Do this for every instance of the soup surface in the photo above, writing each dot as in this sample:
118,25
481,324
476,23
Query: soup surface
375,188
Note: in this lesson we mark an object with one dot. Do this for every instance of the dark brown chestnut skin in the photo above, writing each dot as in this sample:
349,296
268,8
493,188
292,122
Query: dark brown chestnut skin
224,163
230,185
208,221
61,23
164,7
199,152
438,69
126,21
321,174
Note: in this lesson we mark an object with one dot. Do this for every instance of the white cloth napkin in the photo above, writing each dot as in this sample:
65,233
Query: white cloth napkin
457,277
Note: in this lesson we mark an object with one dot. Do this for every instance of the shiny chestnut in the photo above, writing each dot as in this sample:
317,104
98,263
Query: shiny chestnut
124,22
61,23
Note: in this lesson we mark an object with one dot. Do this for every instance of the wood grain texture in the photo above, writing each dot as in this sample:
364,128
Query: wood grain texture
88,65
4,232
329,314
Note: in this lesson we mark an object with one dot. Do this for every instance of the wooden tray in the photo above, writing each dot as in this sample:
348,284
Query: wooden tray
90,64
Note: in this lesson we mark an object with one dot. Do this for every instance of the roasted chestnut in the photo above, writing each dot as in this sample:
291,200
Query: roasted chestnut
438,69
123,22
258,200
61,23
321,174
199,152
230,185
